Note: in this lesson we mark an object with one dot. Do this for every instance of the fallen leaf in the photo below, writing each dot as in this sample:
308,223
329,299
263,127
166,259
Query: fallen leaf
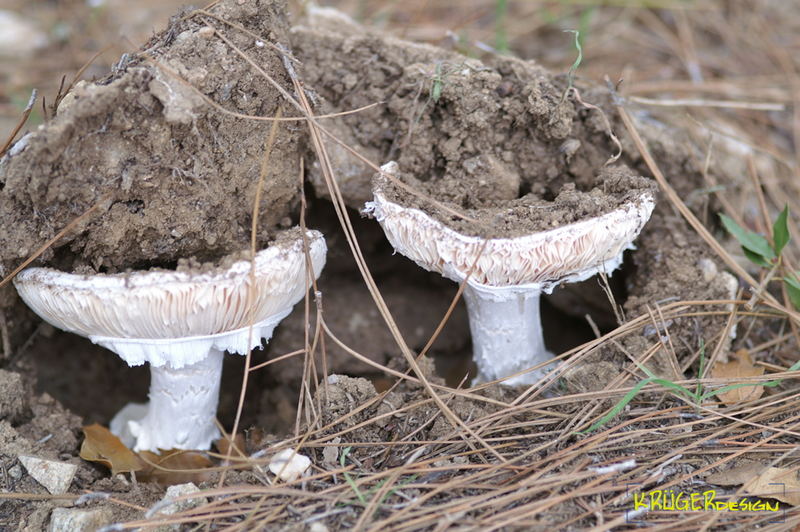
175,466
99,445
741,366
776,483
224,447
742,472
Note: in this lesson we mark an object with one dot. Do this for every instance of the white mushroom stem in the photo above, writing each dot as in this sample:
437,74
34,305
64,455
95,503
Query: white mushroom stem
183,405
506,334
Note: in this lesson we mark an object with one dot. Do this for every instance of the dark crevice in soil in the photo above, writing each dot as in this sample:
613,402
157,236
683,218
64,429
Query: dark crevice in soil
95,384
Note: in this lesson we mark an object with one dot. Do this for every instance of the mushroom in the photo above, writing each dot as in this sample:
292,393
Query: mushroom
180,321
502,292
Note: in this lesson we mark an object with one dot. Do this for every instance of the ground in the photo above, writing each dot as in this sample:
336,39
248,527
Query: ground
491,88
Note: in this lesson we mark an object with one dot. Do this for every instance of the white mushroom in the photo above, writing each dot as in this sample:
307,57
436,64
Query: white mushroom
502,292
180,322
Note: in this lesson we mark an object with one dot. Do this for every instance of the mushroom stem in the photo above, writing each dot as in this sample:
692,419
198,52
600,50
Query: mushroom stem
506,332
183,406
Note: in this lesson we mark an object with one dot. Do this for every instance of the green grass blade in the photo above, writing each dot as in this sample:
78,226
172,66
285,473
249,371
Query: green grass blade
500,32
676,388
349,479
619,406
768,384
702,369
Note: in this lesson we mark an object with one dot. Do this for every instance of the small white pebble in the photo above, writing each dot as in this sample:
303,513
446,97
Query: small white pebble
708,269
316,526
260,44
288,465
206,32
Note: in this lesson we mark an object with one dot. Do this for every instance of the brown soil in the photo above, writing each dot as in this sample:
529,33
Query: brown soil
498,134
124,140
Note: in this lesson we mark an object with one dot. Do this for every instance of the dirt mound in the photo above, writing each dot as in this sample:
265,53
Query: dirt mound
175,177
493,130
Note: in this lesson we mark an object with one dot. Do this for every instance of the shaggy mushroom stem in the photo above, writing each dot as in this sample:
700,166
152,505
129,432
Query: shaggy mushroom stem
183,406
506,332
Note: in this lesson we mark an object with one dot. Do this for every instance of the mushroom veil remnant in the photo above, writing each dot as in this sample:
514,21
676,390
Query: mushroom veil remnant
503,289
180,322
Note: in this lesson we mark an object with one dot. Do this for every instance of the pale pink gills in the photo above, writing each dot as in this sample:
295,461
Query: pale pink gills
180,322
502,293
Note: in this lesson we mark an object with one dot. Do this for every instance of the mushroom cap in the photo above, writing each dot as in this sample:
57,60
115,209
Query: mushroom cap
176,317
538,261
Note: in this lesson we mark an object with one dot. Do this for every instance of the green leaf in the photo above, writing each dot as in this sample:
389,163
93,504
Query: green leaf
631,394
676,388
793,289
780,231
792,280
755,258
702,369
749,240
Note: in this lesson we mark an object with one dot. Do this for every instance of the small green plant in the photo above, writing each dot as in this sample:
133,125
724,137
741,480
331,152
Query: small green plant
500,32
437,83
695,397
575,65
350,482
765,254
363,498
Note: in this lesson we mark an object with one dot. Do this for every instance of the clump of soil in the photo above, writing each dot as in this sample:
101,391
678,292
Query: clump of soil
173,175
344,406
479,132
508,218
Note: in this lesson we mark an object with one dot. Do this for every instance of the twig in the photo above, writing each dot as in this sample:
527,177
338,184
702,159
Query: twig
699,102
24,118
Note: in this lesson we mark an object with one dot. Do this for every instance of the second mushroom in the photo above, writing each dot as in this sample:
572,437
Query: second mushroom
505,276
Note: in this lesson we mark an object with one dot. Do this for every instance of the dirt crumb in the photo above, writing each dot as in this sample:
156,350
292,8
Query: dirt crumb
344,395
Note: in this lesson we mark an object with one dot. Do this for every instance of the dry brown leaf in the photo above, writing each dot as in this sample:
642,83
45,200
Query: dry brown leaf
742,472
223,445
776,483
175,467
741,366
99,445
